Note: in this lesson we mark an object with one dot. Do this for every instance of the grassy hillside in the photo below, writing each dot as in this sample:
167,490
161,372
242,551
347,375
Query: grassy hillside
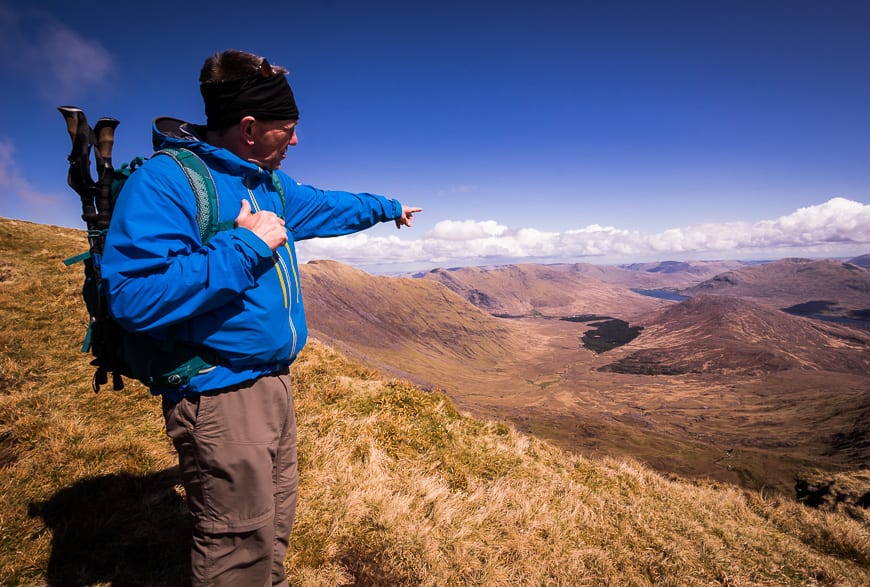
397,487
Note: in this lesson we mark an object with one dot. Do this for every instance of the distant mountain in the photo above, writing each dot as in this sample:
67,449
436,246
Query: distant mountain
444,322
862,261
700,269
729,335
542,290
659,275
836,288
659,267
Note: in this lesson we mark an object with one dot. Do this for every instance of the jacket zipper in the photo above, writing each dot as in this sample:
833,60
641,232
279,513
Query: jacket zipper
282,270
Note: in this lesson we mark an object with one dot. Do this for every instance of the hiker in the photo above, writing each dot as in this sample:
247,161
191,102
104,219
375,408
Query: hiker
236,300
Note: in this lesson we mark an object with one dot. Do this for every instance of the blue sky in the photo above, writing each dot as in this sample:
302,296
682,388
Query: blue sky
538,131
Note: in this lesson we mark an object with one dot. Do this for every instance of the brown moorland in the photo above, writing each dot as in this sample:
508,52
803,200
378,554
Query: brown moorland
836,287
713,387
540,290
397,486
708,333
653,275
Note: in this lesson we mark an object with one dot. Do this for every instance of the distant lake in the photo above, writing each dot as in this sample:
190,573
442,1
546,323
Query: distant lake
662,294
815,309
837,319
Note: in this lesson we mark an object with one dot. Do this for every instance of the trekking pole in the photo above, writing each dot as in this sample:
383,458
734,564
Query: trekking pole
79,175
105,135
96,212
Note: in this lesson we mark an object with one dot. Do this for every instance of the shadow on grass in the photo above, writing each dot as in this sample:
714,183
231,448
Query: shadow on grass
121,530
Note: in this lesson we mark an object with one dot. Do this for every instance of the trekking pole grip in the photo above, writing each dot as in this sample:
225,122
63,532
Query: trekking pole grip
105,131
79,175
105,135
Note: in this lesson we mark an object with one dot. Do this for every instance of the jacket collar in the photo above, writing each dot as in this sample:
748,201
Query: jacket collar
173,132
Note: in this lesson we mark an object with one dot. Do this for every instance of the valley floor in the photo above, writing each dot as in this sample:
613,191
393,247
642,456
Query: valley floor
757,431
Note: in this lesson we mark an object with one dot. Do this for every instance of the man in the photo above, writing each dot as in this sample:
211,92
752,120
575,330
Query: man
236,299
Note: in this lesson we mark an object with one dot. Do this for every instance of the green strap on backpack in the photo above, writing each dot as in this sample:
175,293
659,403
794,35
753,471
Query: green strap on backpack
202,184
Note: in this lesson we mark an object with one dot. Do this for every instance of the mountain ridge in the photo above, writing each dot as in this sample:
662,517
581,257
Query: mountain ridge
730,335
839,287
541,290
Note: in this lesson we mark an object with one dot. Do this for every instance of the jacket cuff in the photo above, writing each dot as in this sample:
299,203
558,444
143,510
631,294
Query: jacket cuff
252,240
397,209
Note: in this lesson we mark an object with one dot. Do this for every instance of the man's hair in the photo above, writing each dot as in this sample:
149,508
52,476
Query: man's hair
235,65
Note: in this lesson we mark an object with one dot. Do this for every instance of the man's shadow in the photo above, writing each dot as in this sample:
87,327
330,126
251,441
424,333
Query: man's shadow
119,529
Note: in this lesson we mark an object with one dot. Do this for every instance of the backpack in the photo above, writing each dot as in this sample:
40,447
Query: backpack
115,350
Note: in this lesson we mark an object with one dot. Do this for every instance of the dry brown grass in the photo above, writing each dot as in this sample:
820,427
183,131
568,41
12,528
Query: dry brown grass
397,486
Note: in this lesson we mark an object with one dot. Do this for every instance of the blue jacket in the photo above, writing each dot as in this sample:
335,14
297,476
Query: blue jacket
233,294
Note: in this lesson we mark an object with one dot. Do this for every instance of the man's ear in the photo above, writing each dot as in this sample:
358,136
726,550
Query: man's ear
246,126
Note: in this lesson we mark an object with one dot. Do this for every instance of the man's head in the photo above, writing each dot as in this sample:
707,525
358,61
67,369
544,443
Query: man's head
249,106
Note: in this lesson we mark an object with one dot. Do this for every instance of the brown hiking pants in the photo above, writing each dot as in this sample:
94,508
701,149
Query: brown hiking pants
237,455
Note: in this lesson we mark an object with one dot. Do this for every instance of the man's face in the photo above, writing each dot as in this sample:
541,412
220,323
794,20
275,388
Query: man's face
271,140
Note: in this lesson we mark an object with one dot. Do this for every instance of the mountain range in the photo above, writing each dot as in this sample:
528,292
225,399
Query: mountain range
826,287
724,384
541,290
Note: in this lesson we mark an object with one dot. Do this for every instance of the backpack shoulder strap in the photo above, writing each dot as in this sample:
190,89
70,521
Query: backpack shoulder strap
279,187
203,186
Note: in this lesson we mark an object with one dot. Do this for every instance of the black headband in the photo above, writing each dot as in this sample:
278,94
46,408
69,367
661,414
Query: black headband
266,98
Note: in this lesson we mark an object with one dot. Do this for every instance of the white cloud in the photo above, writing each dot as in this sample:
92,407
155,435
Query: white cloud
76,63
837,220
464,188
13,185
60,63
823,227
20,199
466,230
362,249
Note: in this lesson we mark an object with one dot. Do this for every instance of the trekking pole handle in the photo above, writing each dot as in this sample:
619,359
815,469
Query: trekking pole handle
105,131
79,175
105,137
71,116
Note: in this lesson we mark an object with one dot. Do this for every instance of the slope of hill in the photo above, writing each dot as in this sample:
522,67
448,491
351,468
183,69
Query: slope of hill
834,287
396,488
542,290
397,312
417,327
729,335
